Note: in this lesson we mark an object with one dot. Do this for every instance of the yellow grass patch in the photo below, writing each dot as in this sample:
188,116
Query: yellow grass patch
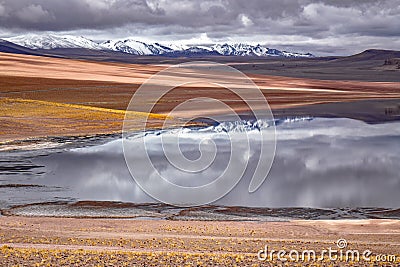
74,106
27,118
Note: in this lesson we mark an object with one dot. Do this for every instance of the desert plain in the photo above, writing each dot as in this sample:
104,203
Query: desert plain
43,97
103,242
47,96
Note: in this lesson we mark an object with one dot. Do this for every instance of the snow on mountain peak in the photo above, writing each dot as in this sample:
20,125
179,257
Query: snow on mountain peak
135,47
50,41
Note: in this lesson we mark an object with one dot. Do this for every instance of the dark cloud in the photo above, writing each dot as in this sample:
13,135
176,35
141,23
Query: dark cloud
44,15
292,22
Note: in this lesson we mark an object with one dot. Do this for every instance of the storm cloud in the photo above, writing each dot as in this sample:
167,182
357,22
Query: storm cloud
323,26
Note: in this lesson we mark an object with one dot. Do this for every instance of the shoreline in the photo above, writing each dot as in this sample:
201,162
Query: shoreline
115,210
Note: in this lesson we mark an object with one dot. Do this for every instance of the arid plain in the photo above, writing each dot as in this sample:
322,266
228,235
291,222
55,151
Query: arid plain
86,242
44,97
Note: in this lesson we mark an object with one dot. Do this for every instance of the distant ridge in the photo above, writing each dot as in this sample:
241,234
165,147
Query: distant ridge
134,47
9,47
373,54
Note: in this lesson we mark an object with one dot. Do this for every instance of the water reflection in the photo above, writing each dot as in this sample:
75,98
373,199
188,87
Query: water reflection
318,163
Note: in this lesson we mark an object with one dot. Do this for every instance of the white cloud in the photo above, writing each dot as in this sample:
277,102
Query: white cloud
245,20
199,39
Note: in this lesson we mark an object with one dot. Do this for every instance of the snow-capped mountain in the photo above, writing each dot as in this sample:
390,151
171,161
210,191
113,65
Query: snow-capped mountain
240,50
294,54
135,47
245,50
50,41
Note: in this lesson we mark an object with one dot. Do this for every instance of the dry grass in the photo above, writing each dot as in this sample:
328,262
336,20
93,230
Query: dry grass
110,86
34,118
81,257
88,242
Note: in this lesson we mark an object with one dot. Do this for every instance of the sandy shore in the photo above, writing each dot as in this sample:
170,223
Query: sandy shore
91,242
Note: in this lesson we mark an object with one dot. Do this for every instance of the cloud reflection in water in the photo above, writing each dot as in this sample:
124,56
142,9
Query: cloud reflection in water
318,163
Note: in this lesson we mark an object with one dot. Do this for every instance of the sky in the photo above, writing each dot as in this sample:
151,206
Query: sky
320,27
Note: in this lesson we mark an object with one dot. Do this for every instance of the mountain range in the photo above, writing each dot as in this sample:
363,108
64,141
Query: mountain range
135,47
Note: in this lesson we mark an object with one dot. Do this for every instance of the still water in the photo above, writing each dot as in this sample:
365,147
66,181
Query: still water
319,163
